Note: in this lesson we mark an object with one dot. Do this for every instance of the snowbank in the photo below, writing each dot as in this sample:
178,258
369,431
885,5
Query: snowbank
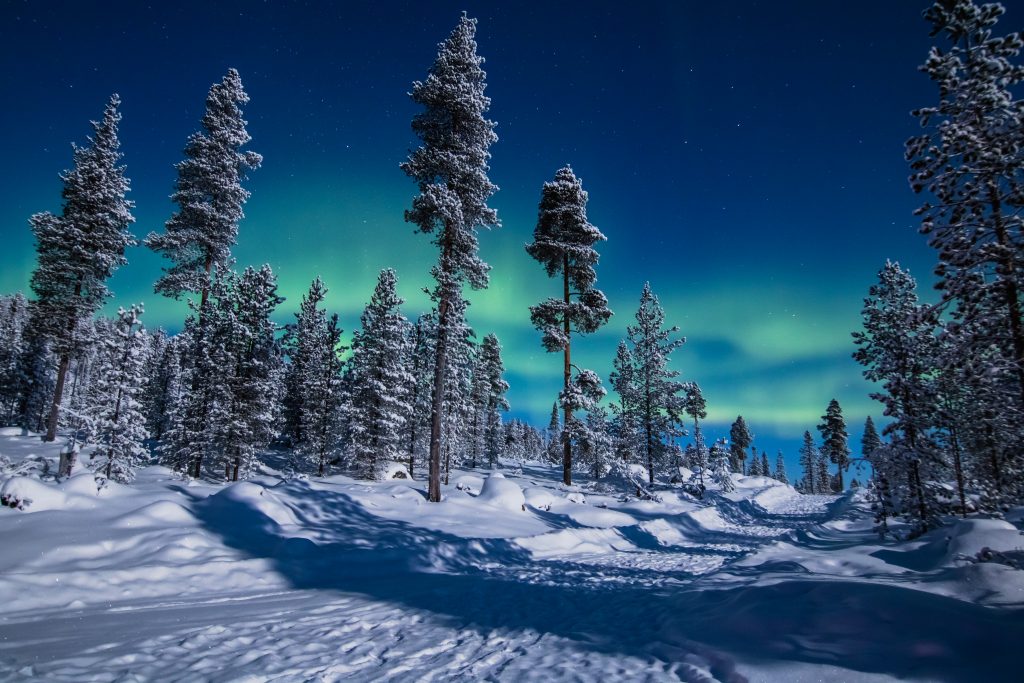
503,493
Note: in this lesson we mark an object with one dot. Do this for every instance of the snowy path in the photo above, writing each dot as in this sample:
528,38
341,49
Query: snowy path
344,580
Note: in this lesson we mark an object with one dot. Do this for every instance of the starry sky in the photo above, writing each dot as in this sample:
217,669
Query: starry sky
746,158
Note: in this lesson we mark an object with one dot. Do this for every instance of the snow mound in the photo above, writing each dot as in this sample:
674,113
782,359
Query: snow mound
575,542
468,483
24,493
396,470
576,497
261,499
10,431
539,497
500,492
970,536
160,513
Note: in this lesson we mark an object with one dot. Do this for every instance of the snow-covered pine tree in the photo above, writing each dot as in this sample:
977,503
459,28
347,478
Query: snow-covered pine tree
563,242
823,478
456,415
898,347
450,168
164,383
420,362
780,469
969,159
35,377
809,464
870,439
553,437
721,473
696,407
80,249
379,401
658,393
754,469
312,384
256,372
488,374
835,439
626,418
120,383
199,236
596,448
740,439
14,318
765,470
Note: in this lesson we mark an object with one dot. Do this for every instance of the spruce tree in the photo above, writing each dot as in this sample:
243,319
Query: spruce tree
809,464
870,439
379,402
780,469
120,383
835,439
658,393
80,249
489,372
969,159
765,471
563,242
450,168
14,318
199,236
740,439
627,418
754,470
420,364
721,473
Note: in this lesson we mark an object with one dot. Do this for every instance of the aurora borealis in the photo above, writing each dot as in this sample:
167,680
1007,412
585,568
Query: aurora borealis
745,158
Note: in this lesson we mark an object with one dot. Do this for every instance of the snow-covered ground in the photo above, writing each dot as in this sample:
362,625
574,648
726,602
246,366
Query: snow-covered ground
513,577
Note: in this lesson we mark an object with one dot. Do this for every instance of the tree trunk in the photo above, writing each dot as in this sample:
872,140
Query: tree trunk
958,467
199,466
238,464
566,377
1009,276
58,392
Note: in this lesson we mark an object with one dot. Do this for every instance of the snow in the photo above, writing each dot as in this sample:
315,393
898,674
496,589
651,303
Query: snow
509,578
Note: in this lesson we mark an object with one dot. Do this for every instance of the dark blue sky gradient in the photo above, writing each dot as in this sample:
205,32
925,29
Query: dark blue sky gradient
744,157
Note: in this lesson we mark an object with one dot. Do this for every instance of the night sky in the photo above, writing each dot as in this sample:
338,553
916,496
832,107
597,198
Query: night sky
746,158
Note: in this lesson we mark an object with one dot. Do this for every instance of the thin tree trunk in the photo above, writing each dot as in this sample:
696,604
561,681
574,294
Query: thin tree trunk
437,399
566,377
958,467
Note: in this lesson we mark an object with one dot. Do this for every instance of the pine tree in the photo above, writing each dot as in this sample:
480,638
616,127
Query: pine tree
740,439
35,380
823,478
897,348
553,449
765,471
809,463
313,379
420,366
870,440
14,317
489,389
451,170
658,400
80,249
379,401
199,236
627,419
697,459
969,160
721,473
835,440
563,242
754,470
255,375
780,469
121,423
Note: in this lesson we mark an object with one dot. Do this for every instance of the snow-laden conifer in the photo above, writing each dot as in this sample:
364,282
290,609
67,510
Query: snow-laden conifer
380,383
199,236
450,168
659,396
80,249
835,439
563,242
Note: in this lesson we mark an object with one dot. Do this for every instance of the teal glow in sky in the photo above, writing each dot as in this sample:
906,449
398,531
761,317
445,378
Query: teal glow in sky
744,157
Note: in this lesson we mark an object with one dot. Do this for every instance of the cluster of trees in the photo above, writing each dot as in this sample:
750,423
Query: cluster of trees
951,374
215,395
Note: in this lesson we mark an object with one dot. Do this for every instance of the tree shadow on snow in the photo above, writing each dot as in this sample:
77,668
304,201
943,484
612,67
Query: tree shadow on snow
487,584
